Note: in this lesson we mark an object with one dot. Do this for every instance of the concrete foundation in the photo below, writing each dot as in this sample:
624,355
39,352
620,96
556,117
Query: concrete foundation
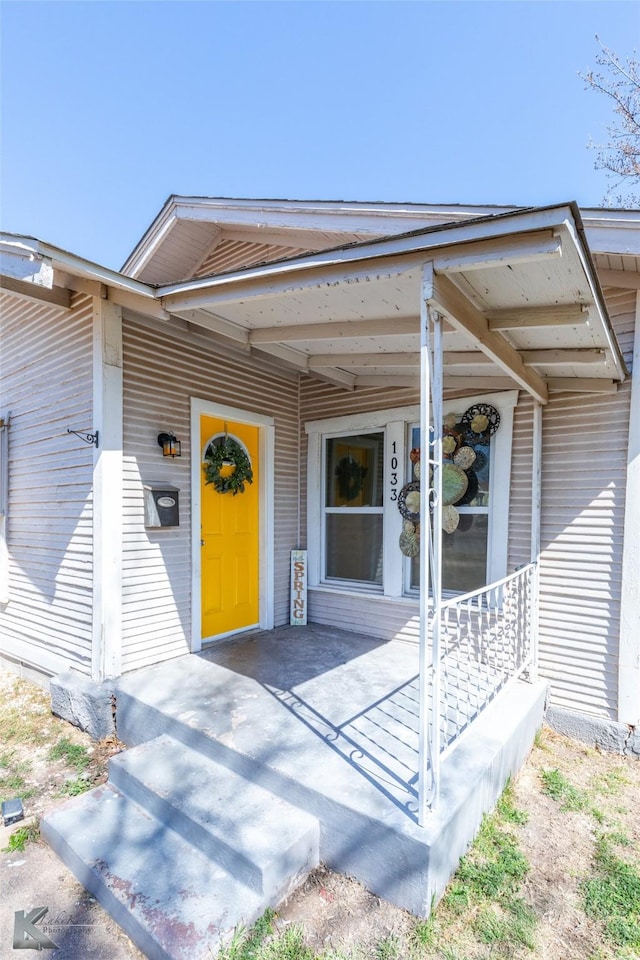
25,671
596,731
83,703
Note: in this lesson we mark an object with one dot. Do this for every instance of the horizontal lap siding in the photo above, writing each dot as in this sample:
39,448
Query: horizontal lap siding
585,441
161,374
376,616
519,549
46,383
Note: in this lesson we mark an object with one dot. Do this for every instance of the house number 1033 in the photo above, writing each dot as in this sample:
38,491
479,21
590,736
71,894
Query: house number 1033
393,481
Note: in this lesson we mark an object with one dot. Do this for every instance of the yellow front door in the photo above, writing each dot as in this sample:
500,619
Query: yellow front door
230,536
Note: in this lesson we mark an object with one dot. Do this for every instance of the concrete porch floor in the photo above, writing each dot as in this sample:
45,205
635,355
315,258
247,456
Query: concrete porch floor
328,720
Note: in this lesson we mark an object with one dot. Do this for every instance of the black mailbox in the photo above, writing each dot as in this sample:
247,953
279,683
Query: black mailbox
161,505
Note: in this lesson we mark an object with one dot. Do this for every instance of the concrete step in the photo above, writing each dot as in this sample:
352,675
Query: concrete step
259,838
173,901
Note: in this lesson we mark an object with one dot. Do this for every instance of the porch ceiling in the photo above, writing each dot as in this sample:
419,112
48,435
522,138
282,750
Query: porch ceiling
518,293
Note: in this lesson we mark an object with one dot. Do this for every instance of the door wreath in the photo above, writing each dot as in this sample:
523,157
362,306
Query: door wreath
350,477
227,452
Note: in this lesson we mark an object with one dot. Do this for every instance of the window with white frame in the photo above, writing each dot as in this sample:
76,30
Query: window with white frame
352,508
357,468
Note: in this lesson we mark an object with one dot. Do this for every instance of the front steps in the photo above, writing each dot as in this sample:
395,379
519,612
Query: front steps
180,850
323,721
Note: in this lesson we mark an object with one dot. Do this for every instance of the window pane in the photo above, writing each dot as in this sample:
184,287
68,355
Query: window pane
354,546
481,470
464,556
464,552
355,468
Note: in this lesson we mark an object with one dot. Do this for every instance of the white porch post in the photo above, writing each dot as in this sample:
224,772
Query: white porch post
629,655
431,546
536,507
107,491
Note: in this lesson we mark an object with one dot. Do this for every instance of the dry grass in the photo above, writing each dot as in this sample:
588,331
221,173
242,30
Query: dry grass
43,758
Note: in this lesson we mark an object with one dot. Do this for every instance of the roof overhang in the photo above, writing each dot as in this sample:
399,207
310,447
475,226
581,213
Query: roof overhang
518,290
188,228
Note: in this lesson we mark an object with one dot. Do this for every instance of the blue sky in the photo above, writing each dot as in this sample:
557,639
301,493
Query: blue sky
110,107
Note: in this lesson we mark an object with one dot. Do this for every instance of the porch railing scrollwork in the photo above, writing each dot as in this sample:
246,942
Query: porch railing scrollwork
486,642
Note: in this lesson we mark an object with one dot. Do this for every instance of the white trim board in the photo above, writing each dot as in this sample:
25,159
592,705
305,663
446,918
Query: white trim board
629,651
266,427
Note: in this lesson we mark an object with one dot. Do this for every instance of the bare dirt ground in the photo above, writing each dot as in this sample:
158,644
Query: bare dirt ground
336,912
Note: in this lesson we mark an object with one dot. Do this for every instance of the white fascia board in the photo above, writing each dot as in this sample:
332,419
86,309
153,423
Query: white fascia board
599,302
302,215
416,242
374,218
21,261
151,239
70,263
613,231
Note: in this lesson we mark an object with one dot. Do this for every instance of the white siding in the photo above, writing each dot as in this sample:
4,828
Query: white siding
519,550
161,374
583,489
46,383
584,467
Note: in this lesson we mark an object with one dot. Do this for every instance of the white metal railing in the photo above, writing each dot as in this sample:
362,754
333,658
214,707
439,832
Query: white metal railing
486,642
471,646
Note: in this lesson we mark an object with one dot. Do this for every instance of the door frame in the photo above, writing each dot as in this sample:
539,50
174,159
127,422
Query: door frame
266,485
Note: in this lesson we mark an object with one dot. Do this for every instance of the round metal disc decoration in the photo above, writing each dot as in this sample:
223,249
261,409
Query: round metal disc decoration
465,458
450,518
409,544
471,491
409,501
480,461
480,420
454,483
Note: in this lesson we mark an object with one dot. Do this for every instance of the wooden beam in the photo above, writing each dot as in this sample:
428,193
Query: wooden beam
447,299
397,326
467,358
92,288
279,279
562,315
411,359
557,357
452,384
624,279
389,380
478,383
291,358
224,328
147,306
55,296
501,252
581,385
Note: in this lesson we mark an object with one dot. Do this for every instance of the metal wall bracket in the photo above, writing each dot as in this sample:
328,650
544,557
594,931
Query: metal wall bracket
91,438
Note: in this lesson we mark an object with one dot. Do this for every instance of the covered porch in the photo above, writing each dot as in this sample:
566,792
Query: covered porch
505,303
330,721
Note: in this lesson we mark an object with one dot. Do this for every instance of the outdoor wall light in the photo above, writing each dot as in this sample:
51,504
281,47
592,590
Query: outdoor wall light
170,446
